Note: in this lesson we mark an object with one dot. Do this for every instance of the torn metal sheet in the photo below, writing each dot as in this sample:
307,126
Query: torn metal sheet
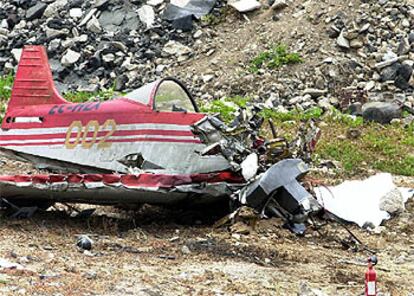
196,8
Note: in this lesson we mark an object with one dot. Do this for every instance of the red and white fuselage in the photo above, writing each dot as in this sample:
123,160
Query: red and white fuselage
40,124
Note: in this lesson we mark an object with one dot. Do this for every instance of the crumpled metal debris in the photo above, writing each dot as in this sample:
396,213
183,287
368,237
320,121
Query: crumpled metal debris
272,168
179,10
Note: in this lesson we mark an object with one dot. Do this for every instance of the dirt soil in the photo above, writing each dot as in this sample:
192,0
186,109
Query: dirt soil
170,252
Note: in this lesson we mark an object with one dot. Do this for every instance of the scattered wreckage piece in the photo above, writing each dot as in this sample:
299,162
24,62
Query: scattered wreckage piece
277,192
148,146
181,13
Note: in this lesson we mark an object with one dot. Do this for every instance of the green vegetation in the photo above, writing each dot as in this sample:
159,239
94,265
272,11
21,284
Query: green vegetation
6,83
210,20
388,148
225,108
274,58
82,96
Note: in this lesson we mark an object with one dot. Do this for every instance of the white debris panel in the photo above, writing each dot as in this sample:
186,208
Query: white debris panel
366,202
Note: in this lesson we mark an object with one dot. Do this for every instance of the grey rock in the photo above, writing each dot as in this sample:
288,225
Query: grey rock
155,2
390,72
279,4
411,37
36,11
185,250
70,57
386,63
54,45
53,33
342,41
101,3
87,17
111,20
176,48
315,93
382,112
54,7
108,58
147,15
392,202
84,242
405,71
93,25
76,13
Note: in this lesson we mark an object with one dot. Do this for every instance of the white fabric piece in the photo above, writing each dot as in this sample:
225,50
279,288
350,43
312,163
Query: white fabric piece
359,201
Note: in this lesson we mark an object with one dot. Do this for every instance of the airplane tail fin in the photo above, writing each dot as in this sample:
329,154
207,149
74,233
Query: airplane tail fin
33,84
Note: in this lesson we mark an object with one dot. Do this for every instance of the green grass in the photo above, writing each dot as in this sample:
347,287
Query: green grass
6,83
79,97
226,108
274,58
387,148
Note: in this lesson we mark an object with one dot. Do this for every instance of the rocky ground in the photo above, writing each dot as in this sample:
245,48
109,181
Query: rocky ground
355,50
158,252
351,50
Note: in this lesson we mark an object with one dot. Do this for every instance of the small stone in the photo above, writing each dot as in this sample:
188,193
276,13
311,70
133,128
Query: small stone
84,242
147,15
176,48
314,93
53,33
279,4
392,202
369,86
108,58
356,43
53,8
70,57
75,13
342,41
198,34
411,37
36,11
185,250
207,78
93,25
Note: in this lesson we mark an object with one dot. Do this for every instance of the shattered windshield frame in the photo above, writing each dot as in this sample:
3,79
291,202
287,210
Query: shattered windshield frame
153,92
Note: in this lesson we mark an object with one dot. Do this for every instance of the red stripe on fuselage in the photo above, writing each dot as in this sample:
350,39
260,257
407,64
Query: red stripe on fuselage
131,140
150,132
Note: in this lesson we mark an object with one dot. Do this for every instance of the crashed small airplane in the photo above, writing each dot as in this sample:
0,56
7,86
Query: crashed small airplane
148,146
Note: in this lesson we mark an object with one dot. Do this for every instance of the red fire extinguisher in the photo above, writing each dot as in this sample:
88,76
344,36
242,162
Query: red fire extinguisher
371,277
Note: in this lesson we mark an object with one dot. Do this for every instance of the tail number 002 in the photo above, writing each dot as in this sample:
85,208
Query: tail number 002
87,135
